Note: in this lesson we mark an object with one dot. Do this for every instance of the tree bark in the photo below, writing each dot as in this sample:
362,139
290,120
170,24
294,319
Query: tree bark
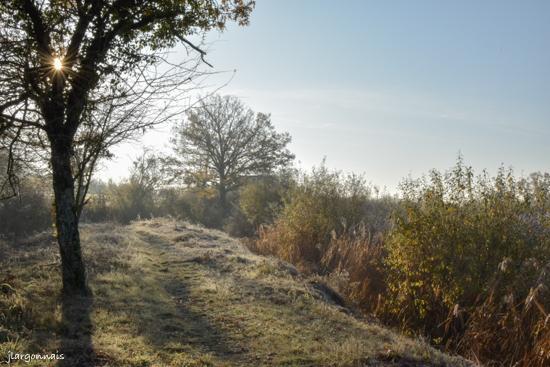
222,192
66,220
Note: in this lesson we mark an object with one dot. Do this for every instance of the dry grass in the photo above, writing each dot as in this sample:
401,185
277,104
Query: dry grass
173,294
520,325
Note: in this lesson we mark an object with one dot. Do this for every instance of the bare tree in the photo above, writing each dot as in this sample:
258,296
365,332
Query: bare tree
77,76
222,140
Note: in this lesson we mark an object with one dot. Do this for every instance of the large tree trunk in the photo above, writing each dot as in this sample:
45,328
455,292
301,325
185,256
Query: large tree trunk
66,220
222,197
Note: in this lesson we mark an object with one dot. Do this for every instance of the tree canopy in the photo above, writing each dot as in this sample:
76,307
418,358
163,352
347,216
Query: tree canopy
222,140
82,69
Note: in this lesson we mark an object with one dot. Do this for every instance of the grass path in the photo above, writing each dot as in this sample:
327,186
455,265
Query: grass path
172,294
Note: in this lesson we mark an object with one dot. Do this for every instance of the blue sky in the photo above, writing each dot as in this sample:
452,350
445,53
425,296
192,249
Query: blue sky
392,88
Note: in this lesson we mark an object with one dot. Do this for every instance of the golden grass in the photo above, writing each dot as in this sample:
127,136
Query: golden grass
173,294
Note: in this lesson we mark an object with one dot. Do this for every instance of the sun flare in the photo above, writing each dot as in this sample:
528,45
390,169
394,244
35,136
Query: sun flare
57,64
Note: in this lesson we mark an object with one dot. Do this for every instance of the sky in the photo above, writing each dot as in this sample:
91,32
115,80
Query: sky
390,88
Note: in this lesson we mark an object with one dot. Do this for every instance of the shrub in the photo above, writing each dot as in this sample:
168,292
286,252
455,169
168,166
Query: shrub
97,208
510,325
171,202
129,201
238,225
261,200
28,212
445,250
464,260
203,207
319,205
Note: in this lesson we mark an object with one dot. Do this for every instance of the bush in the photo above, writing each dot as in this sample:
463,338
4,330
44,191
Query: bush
319,206
129,201
464,260
261,200
202,206
171,202
509,326
238,225
27,213
446,248
97,208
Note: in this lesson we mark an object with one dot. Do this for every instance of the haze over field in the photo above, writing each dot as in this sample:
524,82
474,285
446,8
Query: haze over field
401,88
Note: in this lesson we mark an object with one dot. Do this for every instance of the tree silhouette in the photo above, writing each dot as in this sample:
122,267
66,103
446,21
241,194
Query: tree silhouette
78,76
222,140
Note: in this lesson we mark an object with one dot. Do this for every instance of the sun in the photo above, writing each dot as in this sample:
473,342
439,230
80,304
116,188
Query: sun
57,64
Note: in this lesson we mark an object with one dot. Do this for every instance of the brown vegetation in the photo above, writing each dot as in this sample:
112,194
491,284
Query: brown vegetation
463,260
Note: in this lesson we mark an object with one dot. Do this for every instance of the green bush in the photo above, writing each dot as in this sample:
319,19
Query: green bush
129,201
260,201
203,207
238,225
453,237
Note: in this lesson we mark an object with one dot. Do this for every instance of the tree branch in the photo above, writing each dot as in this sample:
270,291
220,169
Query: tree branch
196,48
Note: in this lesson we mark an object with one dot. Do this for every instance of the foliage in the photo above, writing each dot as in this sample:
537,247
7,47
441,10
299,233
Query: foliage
319,206
261,199
144,195
238,225
202,206
509,326
223,141
98,208
453,235
131,200
463,261
454,232
354,262
26,213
